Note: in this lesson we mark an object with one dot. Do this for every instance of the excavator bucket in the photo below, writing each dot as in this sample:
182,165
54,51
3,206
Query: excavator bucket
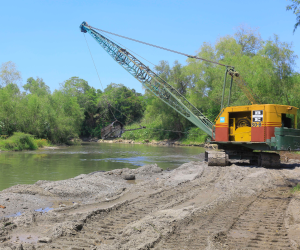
114,129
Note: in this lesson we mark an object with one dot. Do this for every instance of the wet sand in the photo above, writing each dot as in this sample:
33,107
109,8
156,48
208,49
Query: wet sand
192,207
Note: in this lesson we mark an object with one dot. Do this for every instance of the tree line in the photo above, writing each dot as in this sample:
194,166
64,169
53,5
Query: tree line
77,109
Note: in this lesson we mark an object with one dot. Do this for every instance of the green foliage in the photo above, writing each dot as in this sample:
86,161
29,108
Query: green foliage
55,117
42,143
121,103
87,98
76,109
37,87
295,7
169,119
18,141
68,117
296,188
194,136
155,131
10,108
267,66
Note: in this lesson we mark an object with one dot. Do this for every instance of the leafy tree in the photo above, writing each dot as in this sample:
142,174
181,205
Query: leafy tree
36,107
9,74
10,108
87,98
295,7
282,58
249,39
37,86
267,66
156,109
56,116
85,94
121,103
66,118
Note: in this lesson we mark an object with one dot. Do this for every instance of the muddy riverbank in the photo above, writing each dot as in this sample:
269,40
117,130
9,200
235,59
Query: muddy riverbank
191,207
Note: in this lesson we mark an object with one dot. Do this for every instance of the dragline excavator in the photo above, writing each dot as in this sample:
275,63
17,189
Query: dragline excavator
241,132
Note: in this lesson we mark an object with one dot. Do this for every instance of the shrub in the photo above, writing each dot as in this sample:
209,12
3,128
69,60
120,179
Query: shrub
18,141
195,136
42,143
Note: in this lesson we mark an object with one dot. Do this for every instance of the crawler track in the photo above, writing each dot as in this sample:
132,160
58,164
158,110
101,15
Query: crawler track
103,228
199,230
255,223
264,220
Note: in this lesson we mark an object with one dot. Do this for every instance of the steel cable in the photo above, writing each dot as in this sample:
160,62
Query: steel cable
144,59
159,47
109,105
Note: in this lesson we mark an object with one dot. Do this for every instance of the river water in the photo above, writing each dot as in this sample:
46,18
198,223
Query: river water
27,167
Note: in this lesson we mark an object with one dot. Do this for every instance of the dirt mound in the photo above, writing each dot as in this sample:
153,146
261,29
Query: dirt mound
148,169
186,172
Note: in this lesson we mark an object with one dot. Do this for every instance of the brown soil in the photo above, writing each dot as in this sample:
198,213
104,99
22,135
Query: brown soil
192,207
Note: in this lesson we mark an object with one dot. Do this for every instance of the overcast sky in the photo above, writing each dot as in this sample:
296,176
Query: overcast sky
43,38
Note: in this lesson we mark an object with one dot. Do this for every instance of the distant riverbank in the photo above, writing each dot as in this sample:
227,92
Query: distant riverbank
150,142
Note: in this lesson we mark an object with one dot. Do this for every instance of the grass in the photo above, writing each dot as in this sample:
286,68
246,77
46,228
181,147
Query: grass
194,136
296,188
20,141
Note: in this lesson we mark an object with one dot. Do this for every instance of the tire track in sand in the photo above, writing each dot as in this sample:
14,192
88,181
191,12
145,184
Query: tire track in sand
262,225
103,228
252,223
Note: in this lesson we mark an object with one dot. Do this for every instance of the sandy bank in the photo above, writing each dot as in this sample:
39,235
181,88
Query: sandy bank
191,207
